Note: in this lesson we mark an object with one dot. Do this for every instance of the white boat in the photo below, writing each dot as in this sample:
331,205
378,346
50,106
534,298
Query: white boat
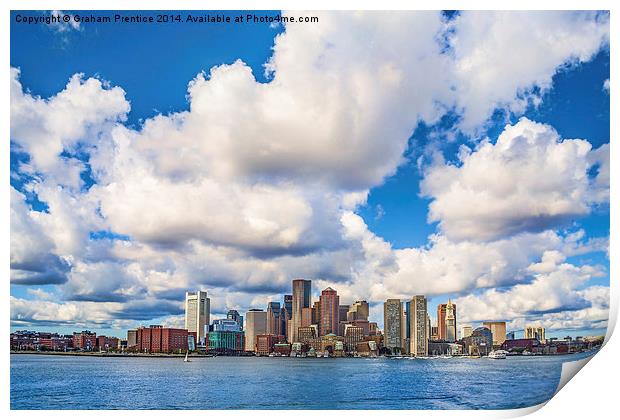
498,354
186,357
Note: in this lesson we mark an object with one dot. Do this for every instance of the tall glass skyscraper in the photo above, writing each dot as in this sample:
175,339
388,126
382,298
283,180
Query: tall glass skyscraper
197,313
302,292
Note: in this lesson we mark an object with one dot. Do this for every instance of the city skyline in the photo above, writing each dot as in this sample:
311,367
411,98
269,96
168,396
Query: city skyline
406,167
408,331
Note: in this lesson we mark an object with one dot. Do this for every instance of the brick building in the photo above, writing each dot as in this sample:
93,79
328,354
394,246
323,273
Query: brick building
158,339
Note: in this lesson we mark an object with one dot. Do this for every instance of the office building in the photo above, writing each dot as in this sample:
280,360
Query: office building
418,341
316,313
225,325
535,332
358,311
226,341
466,331
305,335
353,335
498,329
197,313
256,324
286,313
265,343
393,324
302,292
234,316
306,317
442,333
274,320
479,343
330,312
343,311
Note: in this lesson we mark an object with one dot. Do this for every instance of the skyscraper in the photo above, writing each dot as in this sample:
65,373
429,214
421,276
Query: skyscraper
358,311
393,323
197,313
274,322
418,342
330,312
287,314
256,324
302,291
498,329
450,322
441,320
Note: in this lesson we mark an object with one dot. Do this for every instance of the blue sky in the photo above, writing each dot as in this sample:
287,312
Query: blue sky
153,65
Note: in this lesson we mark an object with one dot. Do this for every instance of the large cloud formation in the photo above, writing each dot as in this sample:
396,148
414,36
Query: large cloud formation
529,180
258,183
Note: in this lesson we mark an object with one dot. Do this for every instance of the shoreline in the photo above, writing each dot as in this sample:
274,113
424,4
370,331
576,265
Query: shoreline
197,355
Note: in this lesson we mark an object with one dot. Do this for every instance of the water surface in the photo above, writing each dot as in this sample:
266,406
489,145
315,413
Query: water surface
80,382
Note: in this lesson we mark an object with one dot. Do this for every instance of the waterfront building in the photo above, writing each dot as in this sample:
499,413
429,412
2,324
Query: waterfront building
283,349
274,322
197,313
107,343
466,331
49,341
367,348
535,332
330,314
256,324
226,341
235,316
158,339
418,342
373,328
450,322
225,325
353,335
521,344
85,340
498,328
331,343
440,348
302,292
307,334
265,343
358,311
132,339
479,343
442,332
393,324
